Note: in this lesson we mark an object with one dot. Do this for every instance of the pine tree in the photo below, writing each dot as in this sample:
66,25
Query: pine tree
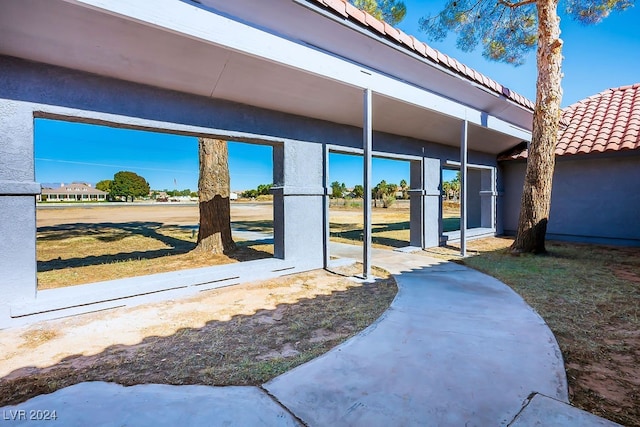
508,30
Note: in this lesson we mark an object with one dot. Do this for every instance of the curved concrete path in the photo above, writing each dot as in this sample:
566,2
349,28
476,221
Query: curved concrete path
456,348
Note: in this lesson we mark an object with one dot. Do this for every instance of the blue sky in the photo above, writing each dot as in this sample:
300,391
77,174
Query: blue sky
67,152
596,58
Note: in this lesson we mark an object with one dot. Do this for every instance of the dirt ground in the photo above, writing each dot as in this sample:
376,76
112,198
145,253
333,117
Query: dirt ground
239,335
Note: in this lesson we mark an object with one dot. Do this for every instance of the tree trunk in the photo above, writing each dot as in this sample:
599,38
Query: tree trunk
536,194
214,234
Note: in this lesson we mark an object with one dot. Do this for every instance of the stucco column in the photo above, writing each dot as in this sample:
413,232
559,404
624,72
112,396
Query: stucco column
278,201
17,204
367,142
298,208
463,187
488,196
425,203
416,208
500,214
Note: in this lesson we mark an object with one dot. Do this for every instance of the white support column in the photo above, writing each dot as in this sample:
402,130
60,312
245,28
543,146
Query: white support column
367,139
327,233
494,196
463,188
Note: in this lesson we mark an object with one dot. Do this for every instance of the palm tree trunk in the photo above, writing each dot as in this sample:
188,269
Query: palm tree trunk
536,193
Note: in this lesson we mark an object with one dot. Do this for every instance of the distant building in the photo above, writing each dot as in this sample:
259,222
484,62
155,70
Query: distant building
162,196
75,192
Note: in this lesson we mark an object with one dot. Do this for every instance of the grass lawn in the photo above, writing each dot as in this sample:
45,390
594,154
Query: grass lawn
77,245
88,253
390,226
589,296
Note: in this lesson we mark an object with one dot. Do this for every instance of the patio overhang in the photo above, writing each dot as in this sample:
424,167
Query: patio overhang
229,69
186,47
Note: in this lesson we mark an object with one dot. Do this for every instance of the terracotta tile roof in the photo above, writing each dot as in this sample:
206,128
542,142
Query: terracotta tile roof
348,11
606,122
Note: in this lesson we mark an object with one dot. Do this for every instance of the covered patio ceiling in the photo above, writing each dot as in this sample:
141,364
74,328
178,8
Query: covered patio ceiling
83,35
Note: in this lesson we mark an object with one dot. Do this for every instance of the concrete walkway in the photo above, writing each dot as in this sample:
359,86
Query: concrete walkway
456,348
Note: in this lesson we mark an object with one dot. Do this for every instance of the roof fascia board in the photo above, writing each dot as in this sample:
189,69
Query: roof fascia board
186,20
379,39
348,23
400,49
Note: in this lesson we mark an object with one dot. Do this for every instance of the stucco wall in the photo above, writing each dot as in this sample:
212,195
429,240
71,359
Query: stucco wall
593,198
